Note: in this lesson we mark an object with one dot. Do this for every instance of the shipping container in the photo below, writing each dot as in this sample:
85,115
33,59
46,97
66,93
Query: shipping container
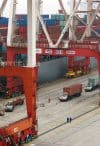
50,22
59,17
45,16
62,23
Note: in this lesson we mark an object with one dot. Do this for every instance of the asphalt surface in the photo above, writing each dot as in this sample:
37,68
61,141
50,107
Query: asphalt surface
53,130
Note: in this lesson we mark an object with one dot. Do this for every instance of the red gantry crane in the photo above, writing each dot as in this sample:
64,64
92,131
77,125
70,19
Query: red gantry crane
9,135
17,132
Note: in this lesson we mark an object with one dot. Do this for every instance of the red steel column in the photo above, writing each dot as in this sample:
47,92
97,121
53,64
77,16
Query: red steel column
29,76
10,56
30,86
86,63
10,62
71,62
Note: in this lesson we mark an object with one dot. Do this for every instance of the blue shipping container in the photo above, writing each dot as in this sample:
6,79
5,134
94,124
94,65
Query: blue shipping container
45,16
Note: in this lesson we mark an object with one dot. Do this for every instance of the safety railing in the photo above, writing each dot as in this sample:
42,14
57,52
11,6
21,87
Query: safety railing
85,45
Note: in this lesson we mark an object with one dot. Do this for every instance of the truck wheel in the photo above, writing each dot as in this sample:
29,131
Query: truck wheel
79,94
11,110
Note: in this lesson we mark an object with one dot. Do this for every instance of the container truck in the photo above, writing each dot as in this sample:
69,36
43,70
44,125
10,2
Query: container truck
9,107
71,91
92,84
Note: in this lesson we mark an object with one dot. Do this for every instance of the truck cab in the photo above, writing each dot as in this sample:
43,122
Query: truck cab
89,87
64,97
70,73
78,73
9,107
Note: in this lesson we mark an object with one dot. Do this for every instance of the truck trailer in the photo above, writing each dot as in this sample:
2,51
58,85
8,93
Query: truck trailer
71,91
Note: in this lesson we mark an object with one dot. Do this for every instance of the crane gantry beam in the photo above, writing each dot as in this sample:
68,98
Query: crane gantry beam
3,5
90,23
11,22
75,49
